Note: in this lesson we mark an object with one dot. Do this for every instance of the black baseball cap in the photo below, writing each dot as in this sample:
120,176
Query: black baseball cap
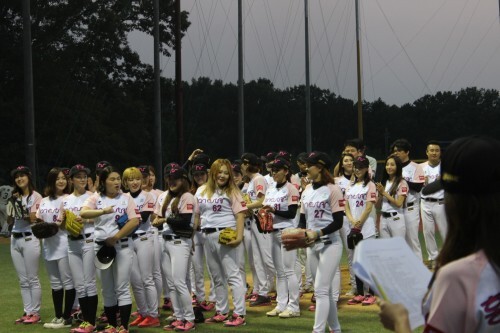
78,168
20,169
251,159
65,171
284,154
199,168
101,165
177,173
459,166
105,257
169,166
319,157
302,157
279,163
144,169
269,157
236,167
361,163
201,158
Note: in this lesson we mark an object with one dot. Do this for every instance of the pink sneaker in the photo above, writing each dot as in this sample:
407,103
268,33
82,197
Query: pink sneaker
312,308
252,297
84,327
22,319
173,325
150,322
217,318
369,300
186,326
207,306
33,318
121,329
356,300
235,321
109,329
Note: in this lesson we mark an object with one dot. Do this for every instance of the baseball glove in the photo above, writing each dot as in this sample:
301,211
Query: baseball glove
354,237
44,229
294,238
265,221
227,235
71,224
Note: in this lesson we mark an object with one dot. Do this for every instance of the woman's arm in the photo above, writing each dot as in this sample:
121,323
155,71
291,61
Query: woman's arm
348,213
364,215
394,317
257,203
88,213
127,229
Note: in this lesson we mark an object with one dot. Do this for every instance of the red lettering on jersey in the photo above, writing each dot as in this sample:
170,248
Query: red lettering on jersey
151,205
404,189
243,204
189,206
260,188
295,198
492,309
342,203
421,178
373,195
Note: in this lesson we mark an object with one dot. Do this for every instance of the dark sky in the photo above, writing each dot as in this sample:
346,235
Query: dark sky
409,48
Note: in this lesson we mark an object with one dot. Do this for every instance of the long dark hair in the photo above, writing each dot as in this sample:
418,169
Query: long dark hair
326,177
341,163
366,178
50,188
18,190
398,177
103,175
176,197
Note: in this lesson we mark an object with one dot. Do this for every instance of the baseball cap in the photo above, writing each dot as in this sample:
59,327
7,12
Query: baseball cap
279,163
20,169
251,159
101,165
105,257
78,168
319,157
144,169
302,157
459,166
269,157
169,166
65,171
361,163
201,158
177,173
236,167
284,154
199,168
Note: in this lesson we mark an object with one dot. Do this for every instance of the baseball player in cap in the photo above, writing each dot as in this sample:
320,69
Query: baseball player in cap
81,249
55,250
464,293
432,205
268,158
281,201
107,207
414,176
24,247
261,242
322,212
178,207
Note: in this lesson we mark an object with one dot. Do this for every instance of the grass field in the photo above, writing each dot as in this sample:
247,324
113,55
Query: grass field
352,318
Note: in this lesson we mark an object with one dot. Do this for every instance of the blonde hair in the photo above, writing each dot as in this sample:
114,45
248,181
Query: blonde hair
211,184
130,173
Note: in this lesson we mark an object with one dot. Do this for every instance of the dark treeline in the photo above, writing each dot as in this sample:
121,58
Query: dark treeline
94,98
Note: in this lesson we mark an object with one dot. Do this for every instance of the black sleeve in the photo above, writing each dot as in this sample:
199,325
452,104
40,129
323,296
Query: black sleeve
145,216
415,186
187,166
302,221
287,214
180,220
338,220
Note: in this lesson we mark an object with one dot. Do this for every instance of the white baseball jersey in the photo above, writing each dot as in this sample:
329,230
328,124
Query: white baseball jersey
256,185
75,203
413,173
187,205
343,182
432,174
55,247
144,202
358,195
280,199
270,180
30,205
388,207
319,205
105,225
218,211
295,181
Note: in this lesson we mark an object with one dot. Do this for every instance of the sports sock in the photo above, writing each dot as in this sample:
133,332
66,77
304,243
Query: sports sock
69,299
125,311
57,299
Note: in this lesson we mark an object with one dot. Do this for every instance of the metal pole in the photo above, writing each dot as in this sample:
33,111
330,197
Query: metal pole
28,92
308,87
157,96
178,82
241,83
358,67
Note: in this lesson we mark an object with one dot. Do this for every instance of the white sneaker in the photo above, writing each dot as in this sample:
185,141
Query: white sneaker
274,312
53,323
289,314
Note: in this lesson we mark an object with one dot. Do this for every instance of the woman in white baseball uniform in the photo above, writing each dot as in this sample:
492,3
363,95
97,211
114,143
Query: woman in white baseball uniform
106,207
220,205
55,250
178,208
141,277
282,201
81,250
322,212
360,198
392,194
24,247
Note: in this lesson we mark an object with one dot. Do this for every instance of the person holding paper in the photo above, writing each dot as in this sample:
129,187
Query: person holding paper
322,211
464,294
360,198
392,194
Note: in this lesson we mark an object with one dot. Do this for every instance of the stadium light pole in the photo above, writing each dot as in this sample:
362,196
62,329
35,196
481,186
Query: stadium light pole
241,83
308,84
157,95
